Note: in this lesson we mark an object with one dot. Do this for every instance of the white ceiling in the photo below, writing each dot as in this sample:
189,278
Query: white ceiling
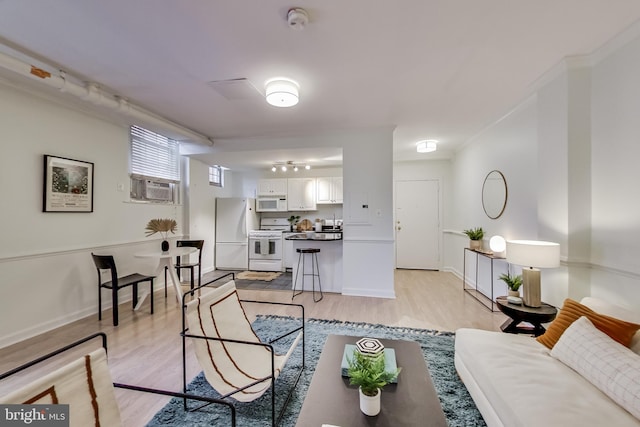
438,69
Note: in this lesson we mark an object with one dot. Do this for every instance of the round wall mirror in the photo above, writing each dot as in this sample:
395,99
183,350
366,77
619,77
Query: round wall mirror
494,194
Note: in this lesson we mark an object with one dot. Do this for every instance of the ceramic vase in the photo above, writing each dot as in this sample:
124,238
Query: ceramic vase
369,405
165,246
475,244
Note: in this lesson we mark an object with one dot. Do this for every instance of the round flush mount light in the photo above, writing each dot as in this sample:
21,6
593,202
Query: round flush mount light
427,146
281,92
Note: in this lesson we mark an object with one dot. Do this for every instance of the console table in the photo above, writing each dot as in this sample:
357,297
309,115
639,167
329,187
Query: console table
486,300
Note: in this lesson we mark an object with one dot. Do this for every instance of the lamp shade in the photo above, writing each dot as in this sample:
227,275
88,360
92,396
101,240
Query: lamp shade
281,92
533,253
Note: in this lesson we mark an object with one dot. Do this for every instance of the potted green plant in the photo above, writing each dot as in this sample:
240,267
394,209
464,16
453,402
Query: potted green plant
513,283
164,227
475,237
293,220
370,375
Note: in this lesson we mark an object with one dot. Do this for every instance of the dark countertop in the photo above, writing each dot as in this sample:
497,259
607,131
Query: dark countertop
323,236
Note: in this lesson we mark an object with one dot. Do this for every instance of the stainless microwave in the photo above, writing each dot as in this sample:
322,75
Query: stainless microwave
271,204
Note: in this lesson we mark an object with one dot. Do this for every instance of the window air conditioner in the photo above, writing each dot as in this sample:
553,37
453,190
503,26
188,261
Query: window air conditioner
158,191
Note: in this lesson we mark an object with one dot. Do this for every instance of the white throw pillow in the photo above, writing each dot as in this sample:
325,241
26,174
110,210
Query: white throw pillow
608,365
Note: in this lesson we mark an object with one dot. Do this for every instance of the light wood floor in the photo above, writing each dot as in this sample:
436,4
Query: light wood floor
146,350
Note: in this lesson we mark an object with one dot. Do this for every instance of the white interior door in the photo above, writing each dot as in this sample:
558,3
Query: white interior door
418,224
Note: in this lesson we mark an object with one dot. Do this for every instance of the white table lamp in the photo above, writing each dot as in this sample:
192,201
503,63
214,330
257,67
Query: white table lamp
533,255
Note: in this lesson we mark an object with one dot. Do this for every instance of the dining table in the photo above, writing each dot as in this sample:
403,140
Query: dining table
166,259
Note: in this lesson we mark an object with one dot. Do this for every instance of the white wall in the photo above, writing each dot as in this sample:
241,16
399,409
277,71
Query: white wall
569,157
615,247
368,214
48,277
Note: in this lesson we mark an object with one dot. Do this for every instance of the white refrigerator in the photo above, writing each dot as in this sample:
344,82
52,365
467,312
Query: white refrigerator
235,217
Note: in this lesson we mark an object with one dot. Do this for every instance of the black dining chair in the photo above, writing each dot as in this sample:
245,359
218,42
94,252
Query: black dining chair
106,262
198,244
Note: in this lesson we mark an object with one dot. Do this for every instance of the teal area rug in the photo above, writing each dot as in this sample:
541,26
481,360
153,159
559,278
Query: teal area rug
437,347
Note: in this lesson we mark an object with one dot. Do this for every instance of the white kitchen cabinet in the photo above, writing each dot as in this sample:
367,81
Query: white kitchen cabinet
329,190
272,187
301,194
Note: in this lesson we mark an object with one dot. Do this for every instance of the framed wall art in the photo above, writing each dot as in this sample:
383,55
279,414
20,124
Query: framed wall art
68,185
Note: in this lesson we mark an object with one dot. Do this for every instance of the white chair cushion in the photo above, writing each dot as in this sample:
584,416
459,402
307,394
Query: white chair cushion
608,365
230,366
84,384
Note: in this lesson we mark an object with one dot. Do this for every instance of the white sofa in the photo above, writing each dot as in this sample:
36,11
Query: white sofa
515,381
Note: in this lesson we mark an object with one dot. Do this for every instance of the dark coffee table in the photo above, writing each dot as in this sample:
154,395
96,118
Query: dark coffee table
411,402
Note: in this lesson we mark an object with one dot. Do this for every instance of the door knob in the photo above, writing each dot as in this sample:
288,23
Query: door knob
399,228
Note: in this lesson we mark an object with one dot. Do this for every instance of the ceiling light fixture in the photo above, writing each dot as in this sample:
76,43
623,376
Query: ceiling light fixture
285,166
427,146
281,92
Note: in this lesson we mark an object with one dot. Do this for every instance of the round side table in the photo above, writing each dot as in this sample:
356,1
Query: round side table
536,316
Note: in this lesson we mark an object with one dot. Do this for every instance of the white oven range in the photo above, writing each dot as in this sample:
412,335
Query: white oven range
265,245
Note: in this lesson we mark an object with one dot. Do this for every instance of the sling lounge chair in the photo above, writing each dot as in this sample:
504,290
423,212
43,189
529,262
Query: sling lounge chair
234,360
85,385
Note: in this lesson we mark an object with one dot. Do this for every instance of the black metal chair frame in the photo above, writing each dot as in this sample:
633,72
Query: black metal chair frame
107,262
274,421
103,336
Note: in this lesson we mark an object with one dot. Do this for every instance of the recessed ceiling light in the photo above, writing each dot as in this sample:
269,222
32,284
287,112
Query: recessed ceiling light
281,92
427,146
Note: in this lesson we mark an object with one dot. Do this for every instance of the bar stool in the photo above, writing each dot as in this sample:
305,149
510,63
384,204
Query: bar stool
315,272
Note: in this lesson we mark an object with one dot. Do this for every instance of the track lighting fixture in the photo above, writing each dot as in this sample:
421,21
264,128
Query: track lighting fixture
285,166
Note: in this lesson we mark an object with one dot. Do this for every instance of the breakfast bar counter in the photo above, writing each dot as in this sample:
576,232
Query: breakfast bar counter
329,259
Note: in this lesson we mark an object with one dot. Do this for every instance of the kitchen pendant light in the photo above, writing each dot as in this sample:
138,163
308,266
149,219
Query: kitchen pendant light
281,92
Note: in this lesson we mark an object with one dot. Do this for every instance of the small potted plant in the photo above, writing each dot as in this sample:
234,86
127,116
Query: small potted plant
475,237
370,375
293,220
164,227
513,283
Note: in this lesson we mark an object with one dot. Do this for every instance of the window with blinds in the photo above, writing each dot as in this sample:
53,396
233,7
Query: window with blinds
155,166
215,176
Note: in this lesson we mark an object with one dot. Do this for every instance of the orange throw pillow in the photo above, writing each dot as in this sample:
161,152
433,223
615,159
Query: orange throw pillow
571,311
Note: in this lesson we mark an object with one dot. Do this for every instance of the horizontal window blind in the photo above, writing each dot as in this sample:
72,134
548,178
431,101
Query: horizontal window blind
154,155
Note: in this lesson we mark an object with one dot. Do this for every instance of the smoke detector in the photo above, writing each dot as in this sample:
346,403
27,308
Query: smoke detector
297,18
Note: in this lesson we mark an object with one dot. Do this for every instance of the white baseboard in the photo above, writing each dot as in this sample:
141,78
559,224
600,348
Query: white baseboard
45,327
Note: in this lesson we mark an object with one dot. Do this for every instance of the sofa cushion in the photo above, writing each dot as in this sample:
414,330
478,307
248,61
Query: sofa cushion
526,387
604,307
571,311
605,363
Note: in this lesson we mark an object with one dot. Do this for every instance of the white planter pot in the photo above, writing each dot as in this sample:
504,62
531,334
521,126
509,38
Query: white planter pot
369,405
475,244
